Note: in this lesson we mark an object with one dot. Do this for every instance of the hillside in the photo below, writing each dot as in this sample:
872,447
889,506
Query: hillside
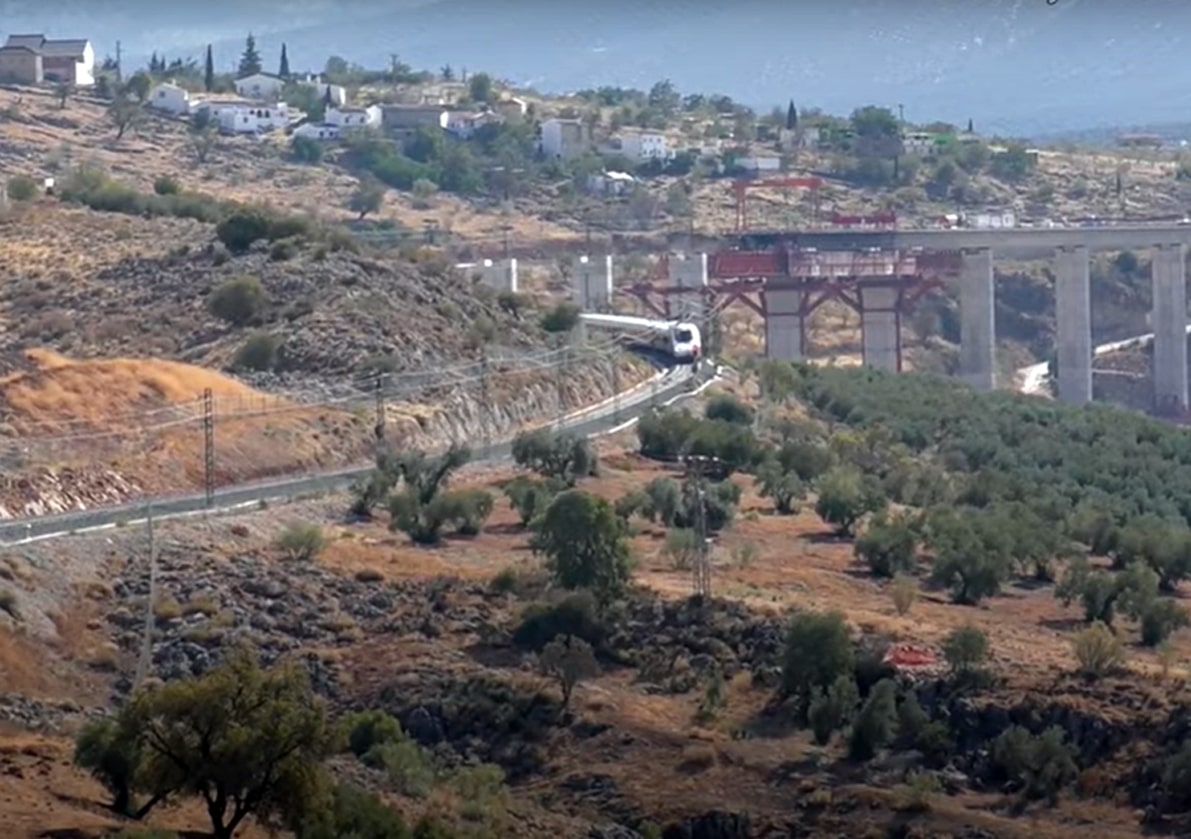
431,636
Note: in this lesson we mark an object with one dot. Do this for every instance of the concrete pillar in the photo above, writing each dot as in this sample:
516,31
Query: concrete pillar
689,272
880,324
1169,319
591,279
977,311
784,325
500,275
1073,310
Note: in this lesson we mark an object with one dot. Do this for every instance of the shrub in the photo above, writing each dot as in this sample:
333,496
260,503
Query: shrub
1161,618
1176,777
682,548
165,185
784,487
466,509
1098,651
529,497
283,250
576,614
568,660
239,301
408,767
260,352
817,651
965,649
1039,766
22,188
904,591
888,546
354,812
832,709
726,407
241,228
306,150
562,318
564,457
302,542
972,553
875,725
845,498
364,731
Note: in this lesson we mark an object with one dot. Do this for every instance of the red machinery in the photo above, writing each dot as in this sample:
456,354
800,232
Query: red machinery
741,187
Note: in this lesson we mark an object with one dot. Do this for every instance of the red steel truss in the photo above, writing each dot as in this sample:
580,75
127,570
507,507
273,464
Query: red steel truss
746,277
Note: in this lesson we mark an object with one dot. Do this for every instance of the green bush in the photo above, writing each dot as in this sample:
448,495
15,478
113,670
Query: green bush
239,230
576,614
726,407
260,352
306,150
831,710
239,301
965,649
562,318
563,457
1097,651
530,498
817,652
585,543
844,498
876,724
165,185
467,509
22,188
354,812
889,546
302,542
364,731
1038,766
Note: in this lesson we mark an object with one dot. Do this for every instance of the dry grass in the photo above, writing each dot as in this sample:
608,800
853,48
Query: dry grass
101,392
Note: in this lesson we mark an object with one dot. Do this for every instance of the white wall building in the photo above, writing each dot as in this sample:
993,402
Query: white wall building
921,143
646,145
262,86
759,164
463,124
170,98
564,138
239,117
610,183
354,117
337,93
315,131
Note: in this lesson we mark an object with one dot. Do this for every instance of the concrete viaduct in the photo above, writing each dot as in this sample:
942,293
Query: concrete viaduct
1070,248
784,275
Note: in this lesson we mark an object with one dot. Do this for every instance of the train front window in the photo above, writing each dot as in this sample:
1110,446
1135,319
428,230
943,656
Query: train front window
683,336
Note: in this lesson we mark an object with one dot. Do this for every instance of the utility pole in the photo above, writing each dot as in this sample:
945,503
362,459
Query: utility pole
209,445
119,64
142,668
379,430
393,68
486,405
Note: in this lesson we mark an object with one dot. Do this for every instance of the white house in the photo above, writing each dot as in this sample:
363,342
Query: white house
463,124
759,163
920,143
610,183
33,59
354,117
315,131
263,86
646,145
336,93
241,117
564,138
170,98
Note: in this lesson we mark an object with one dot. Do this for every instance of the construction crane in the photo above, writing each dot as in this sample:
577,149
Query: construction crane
741,187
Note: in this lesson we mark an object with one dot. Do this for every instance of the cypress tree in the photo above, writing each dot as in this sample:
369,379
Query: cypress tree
284,69
250,61
791,116
209,73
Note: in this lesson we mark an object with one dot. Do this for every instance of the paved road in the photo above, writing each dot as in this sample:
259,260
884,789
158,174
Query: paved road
594,420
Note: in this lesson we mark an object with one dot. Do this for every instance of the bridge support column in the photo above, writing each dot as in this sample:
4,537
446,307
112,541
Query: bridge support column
785,327
591,283
977,305
880,323
689,272
1073,309
1169,274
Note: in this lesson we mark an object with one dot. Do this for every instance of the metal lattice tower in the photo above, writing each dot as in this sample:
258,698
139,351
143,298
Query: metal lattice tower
702,564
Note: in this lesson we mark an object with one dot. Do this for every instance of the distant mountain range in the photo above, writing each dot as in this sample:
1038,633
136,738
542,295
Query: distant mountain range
1014,66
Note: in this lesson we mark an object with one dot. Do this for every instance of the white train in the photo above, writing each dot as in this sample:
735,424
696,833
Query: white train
680,340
